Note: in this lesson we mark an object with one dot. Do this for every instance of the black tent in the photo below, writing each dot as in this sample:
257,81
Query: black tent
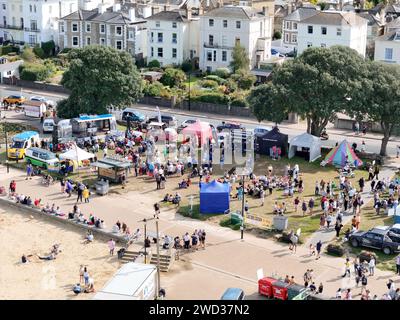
265,143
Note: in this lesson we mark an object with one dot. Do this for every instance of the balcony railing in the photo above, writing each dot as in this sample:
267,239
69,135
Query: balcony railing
8,26
216,45
32,29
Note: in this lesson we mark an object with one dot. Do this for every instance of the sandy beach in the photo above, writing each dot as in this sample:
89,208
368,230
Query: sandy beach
21,233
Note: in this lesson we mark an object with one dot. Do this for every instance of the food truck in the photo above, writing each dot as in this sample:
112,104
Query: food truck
112,168
90,125
21,142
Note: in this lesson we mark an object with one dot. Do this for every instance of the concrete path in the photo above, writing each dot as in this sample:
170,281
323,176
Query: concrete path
226,262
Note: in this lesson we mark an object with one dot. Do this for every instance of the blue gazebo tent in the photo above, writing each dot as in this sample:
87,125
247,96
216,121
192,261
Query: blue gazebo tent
214,197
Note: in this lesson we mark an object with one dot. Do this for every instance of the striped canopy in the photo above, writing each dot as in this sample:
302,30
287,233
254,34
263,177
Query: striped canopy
342,153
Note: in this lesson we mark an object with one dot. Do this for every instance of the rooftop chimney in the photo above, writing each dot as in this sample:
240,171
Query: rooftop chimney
116,7
189,13
102,8
132,14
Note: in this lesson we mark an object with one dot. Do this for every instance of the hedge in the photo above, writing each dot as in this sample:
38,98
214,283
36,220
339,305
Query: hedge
212,97
35,72
207,83
215,78
8,49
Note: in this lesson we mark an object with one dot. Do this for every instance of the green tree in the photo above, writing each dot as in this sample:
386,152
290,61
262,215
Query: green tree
320,83
240,58
173,77
277,35
98,77
154,64
380,99
267,103
244,79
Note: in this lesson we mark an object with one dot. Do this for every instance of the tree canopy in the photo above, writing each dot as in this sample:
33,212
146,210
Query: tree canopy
266,104
320,83
380,101
240,58
98,77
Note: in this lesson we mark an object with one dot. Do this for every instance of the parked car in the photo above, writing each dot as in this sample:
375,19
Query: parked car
233,294
169,120
260,131
14,99
395,229
49,103
229,125
185,123
133,114
42,158
376,238
48,125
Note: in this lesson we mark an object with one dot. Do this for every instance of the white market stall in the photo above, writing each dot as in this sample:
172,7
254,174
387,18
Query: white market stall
305,145
133,281
78,156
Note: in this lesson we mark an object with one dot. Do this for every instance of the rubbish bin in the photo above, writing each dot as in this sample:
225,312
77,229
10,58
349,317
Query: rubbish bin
102,187
236,218
120,253
265,286
297,292
280,290
280,223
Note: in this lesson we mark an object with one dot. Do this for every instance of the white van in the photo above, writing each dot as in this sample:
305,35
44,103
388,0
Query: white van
48,125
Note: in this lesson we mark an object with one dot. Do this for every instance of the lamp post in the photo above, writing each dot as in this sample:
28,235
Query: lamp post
158,247
242,226
6,140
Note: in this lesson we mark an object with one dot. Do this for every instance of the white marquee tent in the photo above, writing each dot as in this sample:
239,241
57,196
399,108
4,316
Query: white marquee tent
76,154
305,140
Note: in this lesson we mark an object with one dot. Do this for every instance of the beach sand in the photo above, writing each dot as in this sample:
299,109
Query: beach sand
22,233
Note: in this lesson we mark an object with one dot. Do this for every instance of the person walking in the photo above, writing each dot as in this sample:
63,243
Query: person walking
80,192
156,210
376,172
29,171
304,207
111,246
262,196
318,247
311,204
81,272
86,194
398,264
338,227
371,266
85,276
347,268
320,288
364,282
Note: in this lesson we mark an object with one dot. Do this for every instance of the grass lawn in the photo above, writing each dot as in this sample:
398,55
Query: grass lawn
310,172
193,80
370,219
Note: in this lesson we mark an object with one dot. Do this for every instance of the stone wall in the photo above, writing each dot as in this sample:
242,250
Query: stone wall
105,233
36,85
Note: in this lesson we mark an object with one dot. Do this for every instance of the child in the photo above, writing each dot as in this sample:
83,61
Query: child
312,250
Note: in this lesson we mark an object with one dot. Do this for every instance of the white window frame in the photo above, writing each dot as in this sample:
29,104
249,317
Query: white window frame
287,37
308,29
338,32
211,22
104,28
158,53
322,31
158,24
116,30
77,41
174,25
174,39
238,24
225,23
222,56
174,51
294,38
72,27
387,50
116,44
62,27
287,25
88,24
88,43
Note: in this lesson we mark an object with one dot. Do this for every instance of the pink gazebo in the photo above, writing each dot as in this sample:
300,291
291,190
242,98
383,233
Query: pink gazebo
200,129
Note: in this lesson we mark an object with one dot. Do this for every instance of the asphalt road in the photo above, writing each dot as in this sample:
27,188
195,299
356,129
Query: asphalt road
373,141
